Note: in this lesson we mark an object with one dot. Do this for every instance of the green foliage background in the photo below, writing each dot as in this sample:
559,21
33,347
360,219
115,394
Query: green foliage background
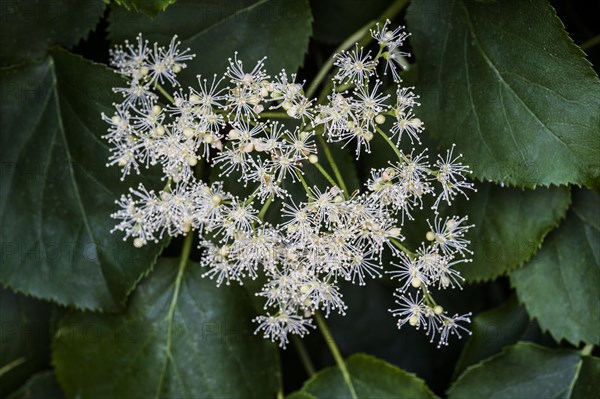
84,314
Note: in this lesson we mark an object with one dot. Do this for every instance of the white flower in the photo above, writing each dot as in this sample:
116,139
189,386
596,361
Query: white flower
279,326
411,310
449,234
409,271
451,176
235,72
331,235
450,326
354,66
167,63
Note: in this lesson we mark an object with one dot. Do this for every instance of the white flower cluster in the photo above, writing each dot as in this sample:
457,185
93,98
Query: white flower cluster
325,238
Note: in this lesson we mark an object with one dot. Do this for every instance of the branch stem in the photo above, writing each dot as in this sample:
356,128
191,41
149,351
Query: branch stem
164,93
361,37
331,161
587,350
303,354
336,353
588,44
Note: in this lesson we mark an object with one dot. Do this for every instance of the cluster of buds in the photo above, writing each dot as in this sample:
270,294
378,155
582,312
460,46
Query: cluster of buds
317,241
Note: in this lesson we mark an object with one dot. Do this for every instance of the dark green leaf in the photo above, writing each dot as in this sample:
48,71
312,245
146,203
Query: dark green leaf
40,386
29,27
505,83
495,329
24,339
300,395
181,336
277,29
335,20
560,286
57,194
149,7
588,380
371,377
510,225
520,371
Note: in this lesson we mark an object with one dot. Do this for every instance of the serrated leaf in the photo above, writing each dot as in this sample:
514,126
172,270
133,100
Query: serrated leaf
56,193
24,337
276,29
149,7
521,371
40,386
181,336
510,225
495,329
371,377
505,83
560,285
28,27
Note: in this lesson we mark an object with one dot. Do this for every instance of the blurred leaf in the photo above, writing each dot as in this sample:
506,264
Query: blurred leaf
277,29
560,286
56,194
24,339
588,380
181,336
495,329
521,371
335,20
505,83
300,395
40,386
371,377
149,7
29,27
510,225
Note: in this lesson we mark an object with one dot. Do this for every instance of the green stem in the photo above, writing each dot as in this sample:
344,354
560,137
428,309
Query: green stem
401,247
587,350
164,93
280,394
325,174
263,210
303,181
588,44
17,362
303,354
362,33
267,114
349,42
183,261
335,352
401,156
331,161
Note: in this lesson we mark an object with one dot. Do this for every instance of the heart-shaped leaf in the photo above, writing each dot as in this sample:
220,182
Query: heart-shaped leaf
559,286
371,378
28,27
505,83
181,336
56,192
523,370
